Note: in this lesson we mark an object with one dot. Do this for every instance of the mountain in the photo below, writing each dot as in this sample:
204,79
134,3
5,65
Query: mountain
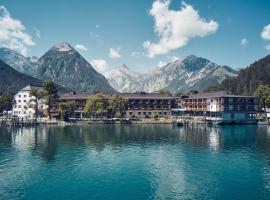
26,65
123,79
192,73
66,67
248,78
12,80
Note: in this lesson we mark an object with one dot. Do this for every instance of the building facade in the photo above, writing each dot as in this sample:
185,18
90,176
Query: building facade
223,105
140,105
23,105
215,105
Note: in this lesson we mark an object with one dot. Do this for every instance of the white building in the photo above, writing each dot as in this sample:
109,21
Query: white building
268,112
22,103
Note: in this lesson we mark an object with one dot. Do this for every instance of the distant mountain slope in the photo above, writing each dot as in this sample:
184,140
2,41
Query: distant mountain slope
125,80
248,79
193,73
66,67
26,65
11,80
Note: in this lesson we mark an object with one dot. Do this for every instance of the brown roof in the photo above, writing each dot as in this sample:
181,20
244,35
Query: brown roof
143,95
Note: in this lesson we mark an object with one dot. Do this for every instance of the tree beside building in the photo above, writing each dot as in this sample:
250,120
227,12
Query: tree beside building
50,94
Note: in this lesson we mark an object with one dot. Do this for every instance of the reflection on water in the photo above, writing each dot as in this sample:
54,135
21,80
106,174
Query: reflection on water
46,139
135,162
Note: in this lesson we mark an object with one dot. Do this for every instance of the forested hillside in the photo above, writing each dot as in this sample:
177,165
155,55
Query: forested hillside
248,79
12,81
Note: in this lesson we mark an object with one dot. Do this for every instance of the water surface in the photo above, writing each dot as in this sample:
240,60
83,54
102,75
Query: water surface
135,162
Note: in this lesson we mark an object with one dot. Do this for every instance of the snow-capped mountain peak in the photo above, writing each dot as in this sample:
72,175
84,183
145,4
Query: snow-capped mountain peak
192,73
63,47
23,64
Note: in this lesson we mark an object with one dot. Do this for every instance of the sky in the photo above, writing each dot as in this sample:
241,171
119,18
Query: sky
142,34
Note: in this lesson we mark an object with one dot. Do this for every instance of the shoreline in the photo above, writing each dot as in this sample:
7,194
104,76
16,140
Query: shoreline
174,122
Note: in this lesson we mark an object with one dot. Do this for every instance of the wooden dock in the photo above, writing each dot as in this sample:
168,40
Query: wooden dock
17,122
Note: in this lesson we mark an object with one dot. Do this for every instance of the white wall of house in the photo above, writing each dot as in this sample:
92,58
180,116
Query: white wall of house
22,101
213,107
268,112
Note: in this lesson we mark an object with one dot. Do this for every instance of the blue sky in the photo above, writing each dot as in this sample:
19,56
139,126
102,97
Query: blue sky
227,32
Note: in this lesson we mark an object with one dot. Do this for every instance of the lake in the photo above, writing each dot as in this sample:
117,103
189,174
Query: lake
135,162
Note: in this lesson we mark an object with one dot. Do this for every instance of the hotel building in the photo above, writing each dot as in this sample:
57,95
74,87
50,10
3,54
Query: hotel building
223,105
140,104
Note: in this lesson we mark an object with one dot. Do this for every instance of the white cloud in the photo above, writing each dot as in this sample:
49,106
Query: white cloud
170,59
176,28
173,58
161,64
81,47
12,33
97,26
100,65
37,33
267,47
114,53
137,54
266,33
244,42
97,36
94,35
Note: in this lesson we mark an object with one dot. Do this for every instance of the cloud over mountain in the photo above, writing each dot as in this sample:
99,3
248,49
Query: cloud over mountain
100,65
176,28
81,47
114,53
12,33
266,33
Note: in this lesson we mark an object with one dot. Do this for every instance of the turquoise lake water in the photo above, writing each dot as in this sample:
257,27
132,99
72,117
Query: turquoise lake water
135,162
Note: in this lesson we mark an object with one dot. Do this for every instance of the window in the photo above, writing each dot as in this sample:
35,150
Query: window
19,96
19,101
19,106
24,95
130,113
139,113
24,100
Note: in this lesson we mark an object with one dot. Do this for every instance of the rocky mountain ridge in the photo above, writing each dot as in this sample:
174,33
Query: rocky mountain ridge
192,73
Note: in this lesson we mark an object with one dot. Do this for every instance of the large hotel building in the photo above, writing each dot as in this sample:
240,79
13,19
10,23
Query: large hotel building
140,104
222,105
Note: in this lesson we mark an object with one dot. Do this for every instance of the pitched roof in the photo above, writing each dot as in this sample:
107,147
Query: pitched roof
30,87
